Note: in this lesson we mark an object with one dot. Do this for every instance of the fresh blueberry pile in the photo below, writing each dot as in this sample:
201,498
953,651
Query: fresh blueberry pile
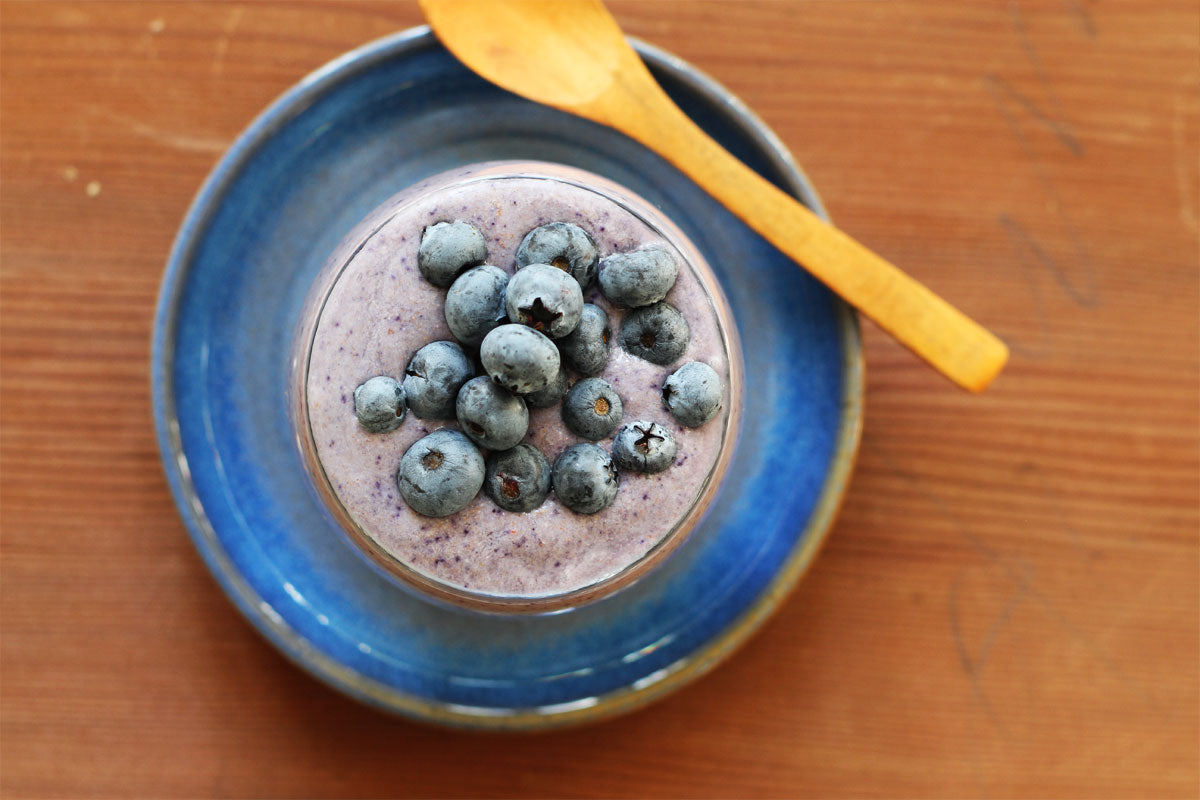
523,332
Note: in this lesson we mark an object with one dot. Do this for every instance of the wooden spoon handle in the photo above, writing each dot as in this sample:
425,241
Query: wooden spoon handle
958,347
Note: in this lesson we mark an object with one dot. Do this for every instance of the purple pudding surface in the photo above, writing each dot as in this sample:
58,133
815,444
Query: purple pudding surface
379,311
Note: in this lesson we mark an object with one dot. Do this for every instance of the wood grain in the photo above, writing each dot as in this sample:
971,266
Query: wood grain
1008,606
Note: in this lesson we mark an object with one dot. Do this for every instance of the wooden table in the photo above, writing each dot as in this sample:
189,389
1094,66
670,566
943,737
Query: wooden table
1008,605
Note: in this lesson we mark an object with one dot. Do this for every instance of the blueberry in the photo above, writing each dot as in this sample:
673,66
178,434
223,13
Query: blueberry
692,394
544,298
440,474
448,248
475,303
585,349
491,415
585,478
563,245
433,378
657,333
518,479
551,394
592,409
520,359
639,277
644,447
379,404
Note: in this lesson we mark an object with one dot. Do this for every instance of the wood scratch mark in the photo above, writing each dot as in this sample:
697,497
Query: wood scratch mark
176,141
1187,166
222,46
1098,652
1083,17
1017,20
1043,348
1022,238
1021,575
973,665
1057,128
1085,297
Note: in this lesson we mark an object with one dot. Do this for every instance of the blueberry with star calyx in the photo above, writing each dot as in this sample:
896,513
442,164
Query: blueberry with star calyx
644,447
448,248
692,394
562,245
520,359
475,303
379,404
440,474
639,277
585,478
657,333
585,349
544,298
433,377
491,415
544,398
517,479
592,408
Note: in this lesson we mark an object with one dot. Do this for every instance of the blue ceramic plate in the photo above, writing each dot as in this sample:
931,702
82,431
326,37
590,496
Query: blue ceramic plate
326,153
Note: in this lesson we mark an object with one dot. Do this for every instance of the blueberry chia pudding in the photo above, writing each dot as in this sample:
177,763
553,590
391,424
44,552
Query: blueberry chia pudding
516,386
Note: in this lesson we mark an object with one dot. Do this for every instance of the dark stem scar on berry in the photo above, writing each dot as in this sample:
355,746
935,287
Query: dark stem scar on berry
643,443
667,391
413,373
399,411
647,339
475,426
510,487
537,316
432,460
561,263
601,406
605,334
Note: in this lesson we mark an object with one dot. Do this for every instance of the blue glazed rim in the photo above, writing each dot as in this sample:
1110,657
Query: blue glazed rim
272,625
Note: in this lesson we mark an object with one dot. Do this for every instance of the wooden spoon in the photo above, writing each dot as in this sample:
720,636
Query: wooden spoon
570,54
